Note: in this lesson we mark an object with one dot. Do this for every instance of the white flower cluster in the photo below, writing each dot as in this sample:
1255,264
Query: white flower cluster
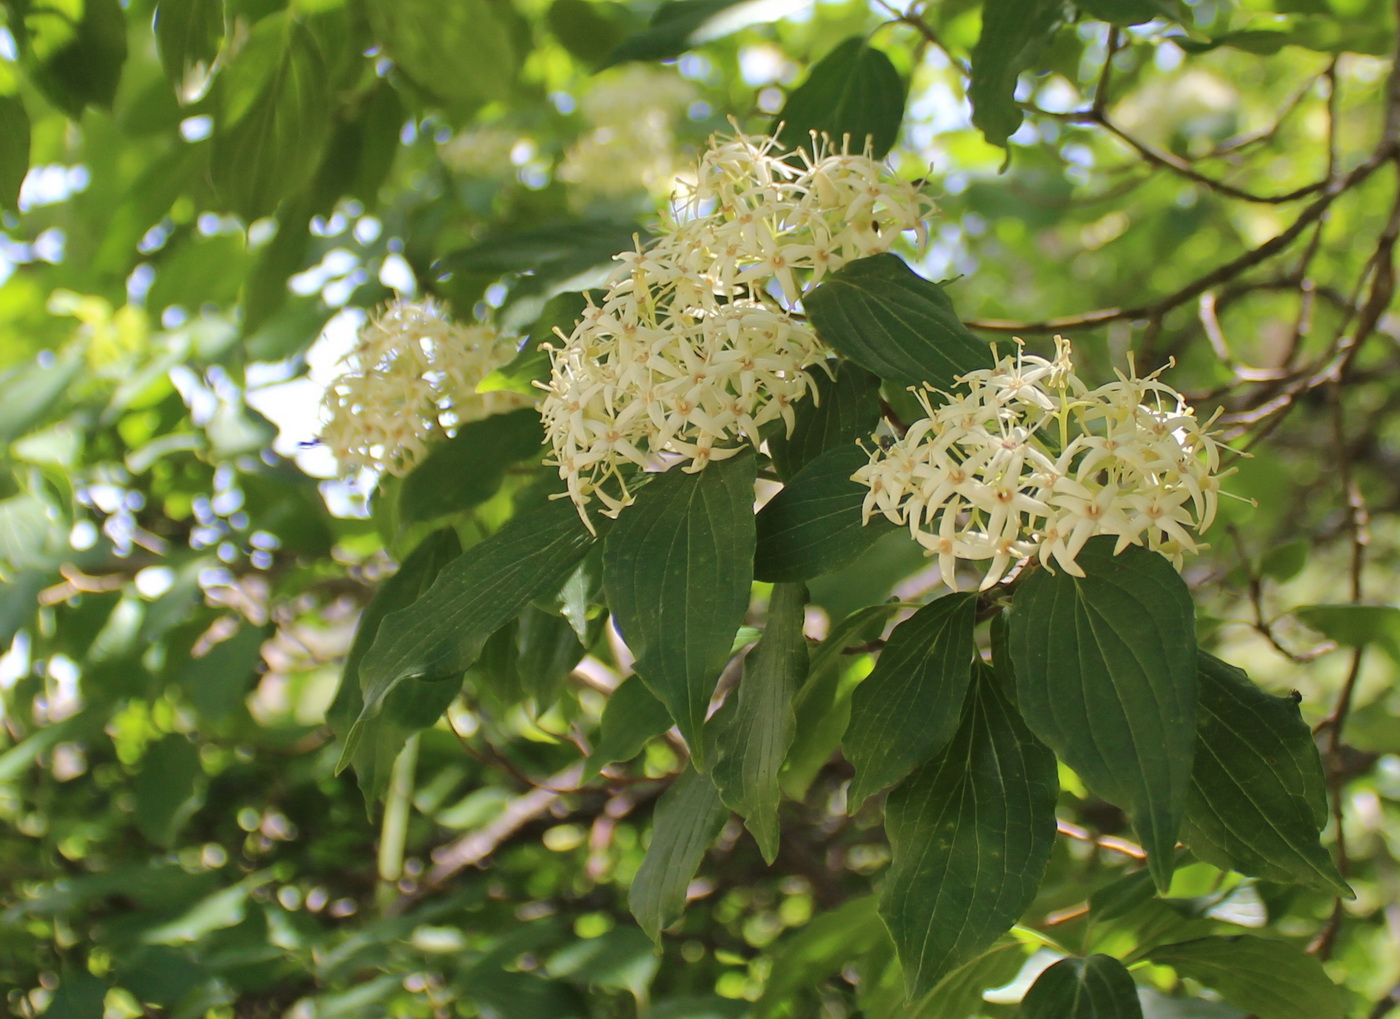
410,380
1030,461
632,145
694,348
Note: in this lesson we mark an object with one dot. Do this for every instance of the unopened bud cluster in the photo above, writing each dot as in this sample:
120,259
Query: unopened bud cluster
1027,460
411,380
694,348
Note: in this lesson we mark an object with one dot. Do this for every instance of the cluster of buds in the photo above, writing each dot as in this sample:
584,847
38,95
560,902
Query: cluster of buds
1029,461
410,380
695,347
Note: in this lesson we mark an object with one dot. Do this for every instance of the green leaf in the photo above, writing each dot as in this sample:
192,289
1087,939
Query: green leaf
218,683
824,946
823,704
956,996
468,468
360,152
1356,625
688,817
970,834
380,739
189,34
623,958
959,994
813,526
846,408
885,317
440,635
909,707
548,651
679,25
1014,32
79,995
1098,987
755,739
633,716
531,364
588,30
1106,675
1272,979
77,64
427,39
32,389
167,788
1127,12
1258,795
677,568
14,153
854,91
572,243
269,137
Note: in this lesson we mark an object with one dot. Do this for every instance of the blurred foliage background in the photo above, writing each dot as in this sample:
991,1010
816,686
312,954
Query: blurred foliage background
202,201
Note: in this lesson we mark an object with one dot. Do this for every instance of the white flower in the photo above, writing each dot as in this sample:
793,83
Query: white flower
409,381
1029,461
695,348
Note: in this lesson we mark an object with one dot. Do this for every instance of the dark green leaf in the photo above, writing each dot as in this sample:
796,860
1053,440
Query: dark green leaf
375,755
588,30
188,35
167,788
14,151
854,91
76,64
755,740
846,408
1014,32
268,140
548,651
218,683
1106,675
679,25
677,568
1272,979
426,39
970,833
687,819
519,251
79,995
1098,987
908,709
813,526
440,635
632,717
1258,794
467,469
884,316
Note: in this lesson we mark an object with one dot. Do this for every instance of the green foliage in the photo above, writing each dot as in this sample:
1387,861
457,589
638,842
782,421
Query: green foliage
276,742
1106,675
